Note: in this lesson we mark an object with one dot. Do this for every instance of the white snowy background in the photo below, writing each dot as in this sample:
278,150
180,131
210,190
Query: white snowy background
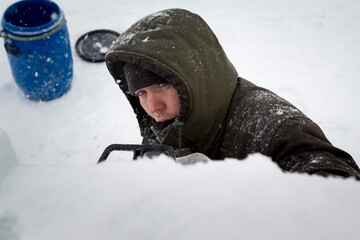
305,51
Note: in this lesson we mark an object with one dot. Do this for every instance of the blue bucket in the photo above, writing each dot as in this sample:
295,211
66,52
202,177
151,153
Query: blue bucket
38,48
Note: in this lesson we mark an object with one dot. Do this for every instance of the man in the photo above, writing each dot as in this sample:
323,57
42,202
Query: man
186,94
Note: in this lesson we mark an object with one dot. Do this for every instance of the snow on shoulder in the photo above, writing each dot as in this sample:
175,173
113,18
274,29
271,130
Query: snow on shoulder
161,199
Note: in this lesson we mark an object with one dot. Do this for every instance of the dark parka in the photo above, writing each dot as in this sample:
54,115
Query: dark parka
221,114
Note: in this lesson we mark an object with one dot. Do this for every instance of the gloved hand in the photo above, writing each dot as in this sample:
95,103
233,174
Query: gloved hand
193,158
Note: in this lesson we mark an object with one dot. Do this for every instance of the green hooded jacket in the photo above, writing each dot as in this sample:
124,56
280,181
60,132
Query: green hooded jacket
221,115
180,47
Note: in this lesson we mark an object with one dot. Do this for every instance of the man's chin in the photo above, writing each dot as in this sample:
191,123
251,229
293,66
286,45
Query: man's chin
164,120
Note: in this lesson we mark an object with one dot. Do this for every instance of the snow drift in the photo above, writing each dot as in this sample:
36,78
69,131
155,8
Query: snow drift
161,199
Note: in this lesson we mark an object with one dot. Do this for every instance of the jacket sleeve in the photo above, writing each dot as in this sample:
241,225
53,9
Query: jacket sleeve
299,145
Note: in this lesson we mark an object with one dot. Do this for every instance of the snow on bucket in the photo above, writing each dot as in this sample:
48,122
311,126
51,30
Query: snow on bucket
38,48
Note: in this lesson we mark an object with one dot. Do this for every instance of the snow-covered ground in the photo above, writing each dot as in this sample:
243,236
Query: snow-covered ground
306,51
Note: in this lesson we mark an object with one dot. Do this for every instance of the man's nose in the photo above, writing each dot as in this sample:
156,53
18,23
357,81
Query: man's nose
155,102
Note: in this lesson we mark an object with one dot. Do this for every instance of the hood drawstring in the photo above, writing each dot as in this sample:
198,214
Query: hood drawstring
179,126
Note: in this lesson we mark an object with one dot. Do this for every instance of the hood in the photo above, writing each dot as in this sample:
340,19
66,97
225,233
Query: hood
180,47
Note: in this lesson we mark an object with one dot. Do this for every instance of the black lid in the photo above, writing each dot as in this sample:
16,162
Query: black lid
94,45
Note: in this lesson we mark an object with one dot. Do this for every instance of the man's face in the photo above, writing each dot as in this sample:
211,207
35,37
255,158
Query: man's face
160,101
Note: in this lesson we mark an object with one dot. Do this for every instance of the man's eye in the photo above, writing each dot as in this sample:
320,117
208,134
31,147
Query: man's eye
163,84
140,93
